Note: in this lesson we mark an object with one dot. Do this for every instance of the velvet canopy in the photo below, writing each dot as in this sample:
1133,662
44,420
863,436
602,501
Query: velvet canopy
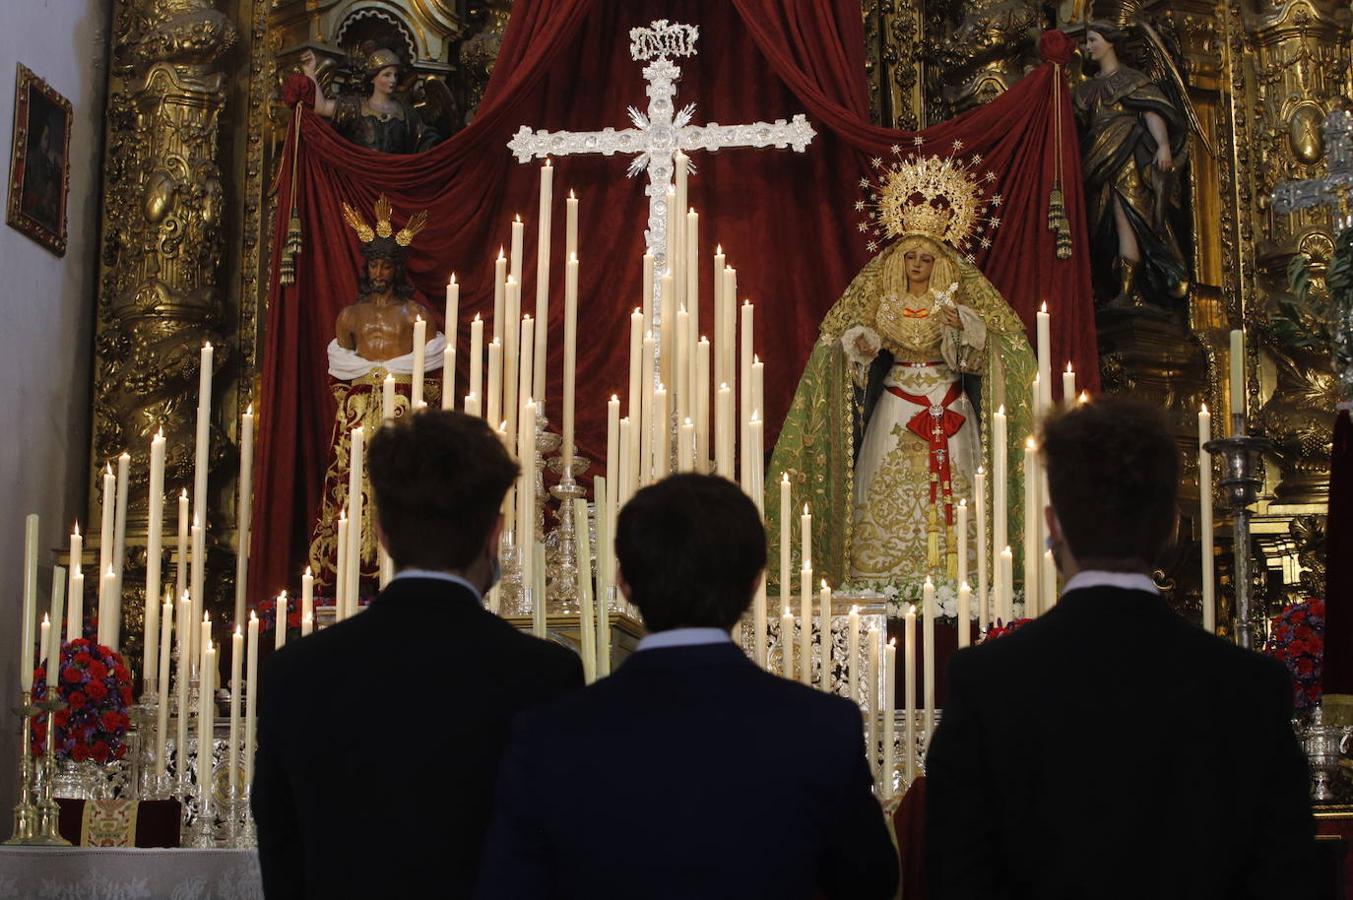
786,220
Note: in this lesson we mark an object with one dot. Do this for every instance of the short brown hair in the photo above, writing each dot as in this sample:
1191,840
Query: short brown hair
1113,477
439,478
690,547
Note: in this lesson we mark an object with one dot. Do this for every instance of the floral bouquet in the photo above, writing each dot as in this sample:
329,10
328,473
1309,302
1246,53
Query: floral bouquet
1297,640
996,631
267,615
906,594
97,689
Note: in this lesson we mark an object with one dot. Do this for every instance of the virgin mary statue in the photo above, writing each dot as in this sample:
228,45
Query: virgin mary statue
892,417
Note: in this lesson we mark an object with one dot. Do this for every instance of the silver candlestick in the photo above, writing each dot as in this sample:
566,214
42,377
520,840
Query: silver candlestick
1241,455
561,545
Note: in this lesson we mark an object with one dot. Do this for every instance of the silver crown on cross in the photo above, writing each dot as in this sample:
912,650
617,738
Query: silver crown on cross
662,39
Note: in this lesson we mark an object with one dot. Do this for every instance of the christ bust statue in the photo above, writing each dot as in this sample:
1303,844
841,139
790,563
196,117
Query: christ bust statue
379,325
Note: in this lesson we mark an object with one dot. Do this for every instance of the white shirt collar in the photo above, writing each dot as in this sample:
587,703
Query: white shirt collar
683,637
438,576
1128,581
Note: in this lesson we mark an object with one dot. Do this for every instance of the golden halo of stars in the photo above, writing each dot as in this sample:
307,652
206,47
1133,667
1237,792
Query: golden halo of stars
947,198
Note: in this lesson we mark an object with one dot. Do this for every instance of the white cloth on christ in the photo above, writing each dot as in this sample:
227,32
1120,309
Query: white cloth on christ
346,365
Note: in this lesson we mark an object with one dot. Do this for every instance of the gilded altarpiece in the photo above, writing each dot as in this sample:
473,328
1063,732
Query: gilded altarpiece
1261,76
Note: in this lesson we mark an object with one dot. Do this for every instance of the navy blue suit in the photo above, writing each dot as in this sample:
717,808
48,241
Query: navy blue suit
1112,749
375,765
689,773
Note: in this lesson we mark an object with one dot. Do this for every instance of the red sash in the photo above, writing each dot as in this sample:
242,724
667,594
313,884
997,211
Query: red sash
935,424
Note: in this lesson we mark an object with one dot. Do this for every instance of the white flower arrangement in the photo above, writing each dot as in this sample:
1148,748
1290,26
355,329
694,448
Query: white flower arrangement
902,595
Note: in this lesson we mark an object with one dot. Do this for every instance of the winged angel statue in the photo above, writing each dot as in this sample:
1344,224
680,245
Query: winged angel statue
1135,116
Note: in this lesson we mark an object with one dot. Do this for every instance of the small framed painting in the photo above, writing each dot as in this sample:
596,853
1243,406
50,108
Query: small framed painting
39,170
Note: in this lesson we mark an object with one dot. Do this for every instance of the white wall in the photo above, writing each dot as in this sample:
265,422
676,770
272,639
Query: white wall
46,324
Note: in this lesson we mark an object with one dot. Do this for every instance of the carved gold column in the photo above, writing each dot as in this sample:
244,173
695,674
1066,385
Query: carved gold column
159,294
894,37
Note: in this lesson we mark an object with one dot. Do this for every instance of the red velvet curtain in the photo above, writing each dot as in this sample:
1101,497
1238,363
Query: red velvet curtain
786,220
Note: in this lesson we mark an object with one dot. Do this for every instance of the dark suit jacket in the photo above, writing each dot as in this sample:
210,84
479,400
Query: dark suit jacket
1112,749
689,773
379,739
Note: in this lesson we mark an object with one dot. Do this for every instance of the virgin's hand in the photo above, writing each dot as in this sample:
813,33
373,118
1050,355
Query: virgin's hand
1164,159
951,317
863,346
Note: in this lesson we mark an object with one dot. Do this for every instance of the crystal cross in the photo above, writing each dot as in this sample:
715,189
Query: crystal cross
659,133
1335,190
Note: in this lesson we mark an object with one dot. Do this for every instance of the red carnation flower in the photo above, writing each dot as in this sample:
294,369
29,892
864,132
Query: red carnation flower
100,751
97,669
96,690
83,660
111,720
76,699
79,752
71,676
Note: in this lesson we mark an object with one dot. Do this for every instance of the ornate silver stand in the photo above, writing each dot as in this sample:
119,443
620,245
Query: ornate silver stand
1243,466
561,544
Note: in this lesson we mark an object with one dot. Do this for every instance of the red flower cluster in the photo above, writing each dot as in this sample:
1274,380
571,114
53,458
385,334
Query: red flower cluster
267,613
999,630
298,89
1297,640
97,690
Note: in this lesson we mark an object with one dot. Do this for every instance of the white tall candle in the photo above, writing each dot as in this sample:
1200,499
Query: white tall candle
244,510
181,570
280,622
686,446
30,603
961,526
452,311
692,292
633,409
186,632
1069,385
356,467
109,510
109,611
702,352
499,296
570,225
786,640
493,400
52,650
236,688
853,679
44,642
541,335
760,625
202,442
250,698
785,514
1237,372
756,431
341,568
681,379
75,610
730,346
745,379
909,692
515,261
1044,328
1032,581
647,423
806,536
448,378
928,649
1005,608
605,528
828,652
420,340
1048,572
587,625
307,593
1207,538
964,614
723,433
124,462
512,359
873,680
677,234
197,581
206,722
666,330
154,555
570,354
624,470
889,716
477,357
980,497
662,450
1000,481
806,625
162,706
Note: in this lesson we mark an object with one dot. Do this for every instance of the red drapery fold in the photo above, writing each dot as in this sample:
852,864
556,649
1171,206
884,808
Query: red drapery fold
786,220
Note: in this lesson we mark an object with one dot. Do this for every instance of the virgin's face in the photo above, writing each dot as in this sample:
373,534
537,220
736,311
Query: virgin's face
919,265
1096,46
385,81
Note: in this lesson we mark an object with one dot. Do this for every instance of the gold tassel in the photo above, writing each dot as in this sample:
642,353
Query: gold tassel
1058,222
292,248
